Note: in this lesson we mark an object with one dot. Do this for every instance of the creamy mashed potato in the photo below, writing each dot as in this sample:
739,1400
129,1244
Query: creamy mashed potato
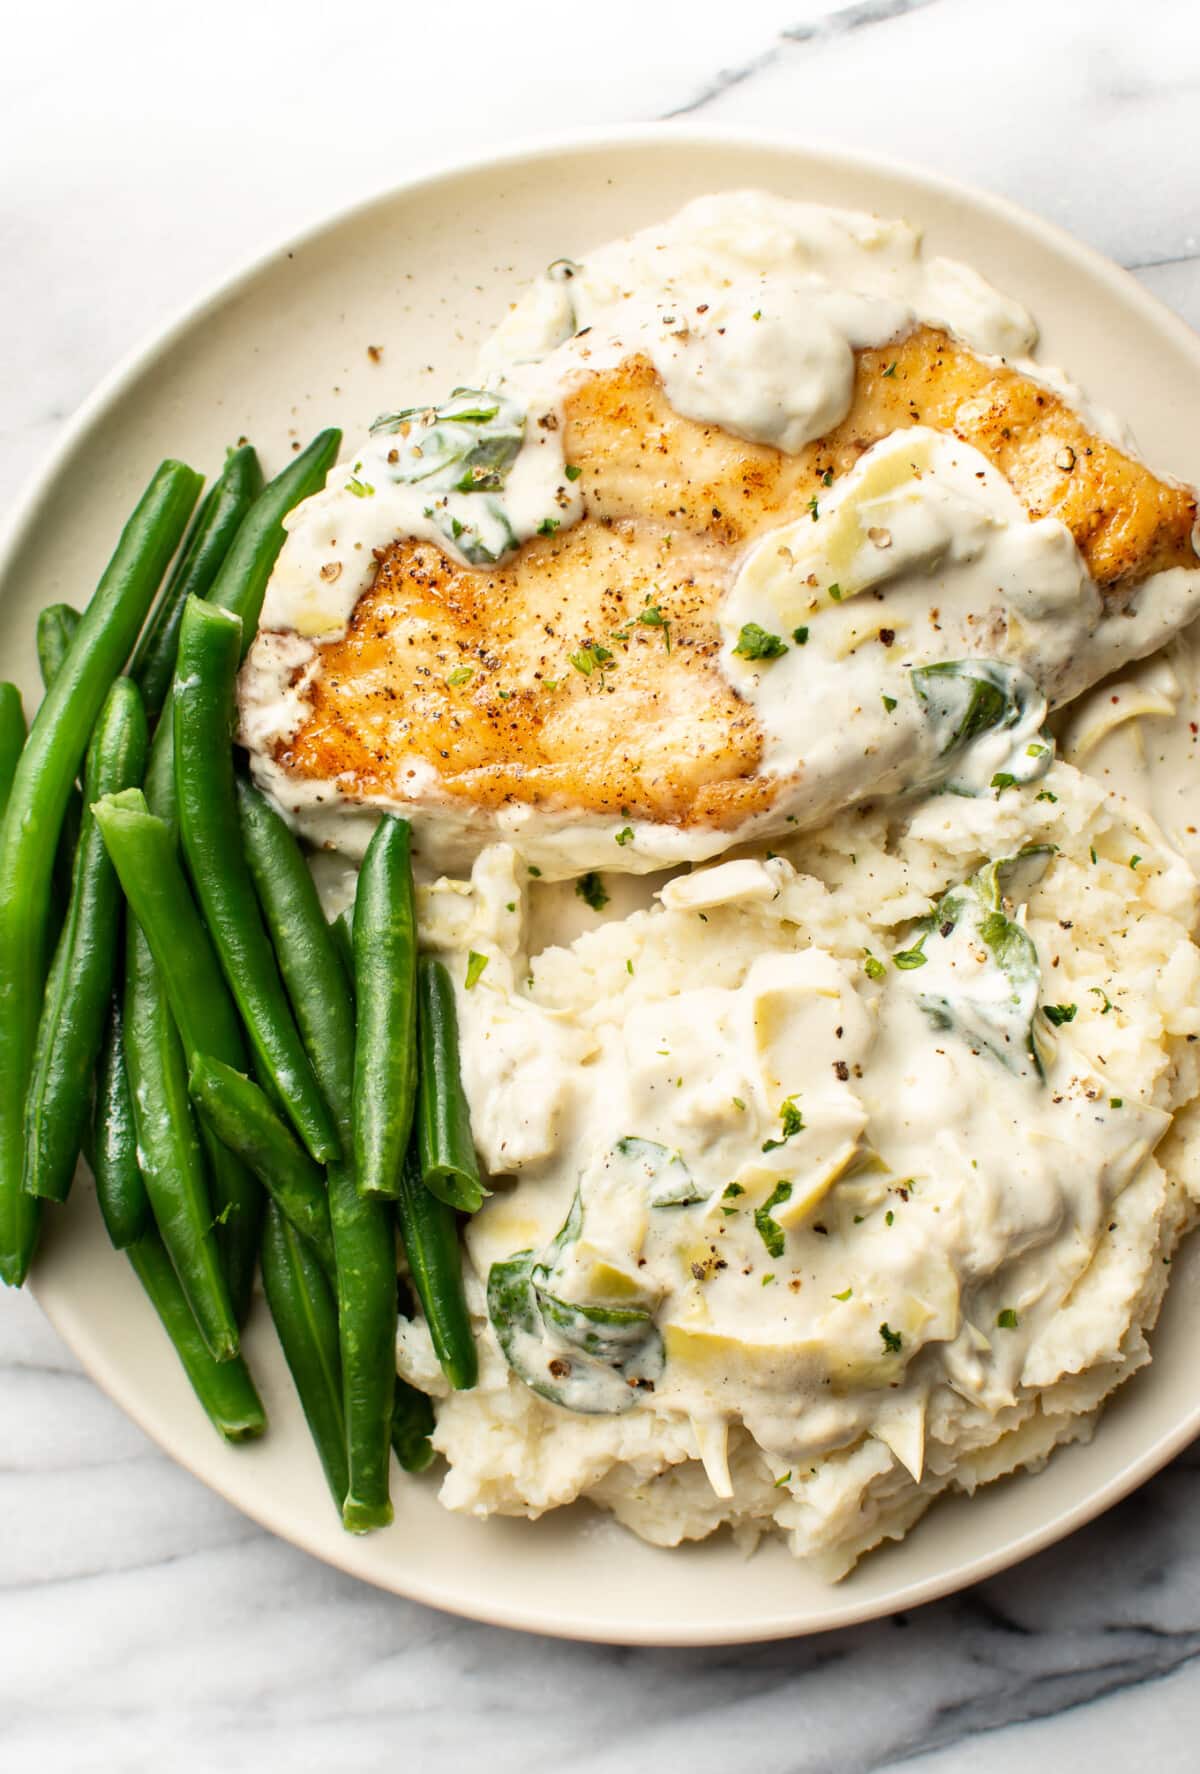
817,1230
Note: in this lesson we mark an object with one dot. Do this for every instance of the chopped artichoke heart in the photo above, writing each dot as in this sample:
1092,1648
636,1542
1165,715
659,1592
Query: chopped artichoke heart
811,1186
712,1441
903,1431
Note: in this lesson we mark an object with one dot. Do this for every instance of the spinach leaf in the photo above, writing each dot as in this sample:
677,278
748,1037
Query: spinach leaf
993,1006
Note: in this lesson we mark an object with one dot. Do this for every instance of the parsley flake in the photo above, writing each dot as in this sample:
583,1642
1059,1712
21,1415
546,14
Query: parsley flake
891,370
791,1122
548,526
893,1342
768,1229
873,967
625,836
572,471
1003,779
845,1294
1007,1320
462,674
475,966
592,891
907,959
591,658
1058,1014
755,643
800,636
835,592
889,703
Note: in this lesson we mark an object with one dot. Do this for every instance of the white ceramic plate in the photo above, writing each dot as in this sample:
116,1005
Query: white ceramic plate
424,272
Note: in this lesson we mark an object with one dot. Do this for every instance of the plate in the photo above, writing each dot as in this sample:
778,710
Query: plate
421,274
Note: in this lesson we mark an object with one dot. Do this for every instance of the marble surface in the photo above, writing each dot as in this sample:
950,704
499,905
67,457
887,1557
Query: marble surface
143,153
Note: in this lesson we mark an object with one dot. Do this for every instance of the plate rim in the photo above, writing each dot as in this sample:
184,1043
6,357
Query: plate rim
20,520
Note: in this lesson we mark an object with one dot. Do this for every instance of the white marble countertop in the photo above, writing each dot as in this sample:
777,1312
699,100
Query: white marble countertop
144,152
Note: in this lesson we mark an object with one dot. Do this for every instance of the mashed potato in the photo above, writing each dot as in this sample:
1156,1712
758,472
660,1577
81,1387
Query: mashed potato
832,1179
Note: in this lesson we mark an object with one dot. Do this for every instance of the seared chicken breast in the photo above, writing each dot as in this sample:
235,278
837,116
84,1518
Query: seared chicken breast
581,675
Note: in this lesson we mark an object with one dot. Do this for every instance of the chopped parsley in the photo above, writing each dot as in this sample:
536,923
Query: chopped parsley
814,509
1058,1014
1045,795
767,1280
652,617
791,1121
362,489
827,478
768,1229
572,471
1107,1003
738,1103
783,1478
462,674
625,836
889,1218
891,369
755,643
535,870
907,959
592,891
873,967
1007,1320
629,968
548,526
800,636
1133,861
835,592
889,703
1003,779
1116,1102
893,1342
475,966
845,1294
731,1191
591,658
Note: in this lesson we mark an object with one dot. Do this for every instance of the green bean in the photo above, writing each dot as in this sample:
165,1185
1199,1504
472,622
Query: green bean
169,1150
56,626
429,1233
364,1243
242,1118
385,968
204,694
306,1321
363,1230
224,1388
342,932
241,583
448,1162
12,739
120,1187
81,975
208,541
183,965
41,787
306,948
412,1425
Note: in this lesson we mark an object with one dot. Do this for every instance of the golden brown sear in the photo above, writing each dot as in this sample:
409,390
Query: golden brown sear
582,672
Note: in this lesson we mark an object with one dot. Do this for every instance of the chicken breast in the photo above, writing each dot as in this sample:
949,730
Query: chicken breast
582,676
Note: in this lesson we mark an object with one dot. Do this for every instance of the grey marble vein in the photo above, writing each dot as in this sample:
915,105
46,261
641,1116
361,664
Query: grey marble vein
837,23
